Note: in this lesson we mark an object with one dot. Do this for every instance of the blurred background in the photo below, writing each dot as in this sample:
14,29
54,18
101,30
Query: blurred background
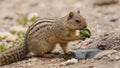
95,11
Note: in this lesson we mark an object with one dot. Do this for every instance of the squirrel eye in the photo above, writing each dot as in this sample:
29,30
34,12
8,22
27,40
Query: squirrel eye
77,21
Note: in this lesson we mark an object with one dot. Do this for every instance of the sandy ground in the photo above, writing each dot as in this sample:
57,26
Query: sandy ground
101,20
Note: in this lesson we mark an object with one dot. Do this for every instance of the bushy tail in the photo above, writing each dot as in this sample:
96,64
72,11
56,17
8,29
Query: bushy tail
13,55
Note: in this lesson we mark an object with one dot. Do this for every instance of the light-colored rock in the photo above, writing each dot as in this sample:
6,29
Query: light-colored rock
109,55
57,59
53,66
8,36
17,29
118,53
69,62
92,60
83,61
115,56
23,62
104,53
78,5
3,34
105,58
33,60
31,15
11,38
29,64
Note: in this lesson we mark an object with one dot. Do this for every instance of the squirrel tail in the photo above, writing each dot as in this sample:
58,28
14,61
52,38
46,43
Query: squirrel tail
13,55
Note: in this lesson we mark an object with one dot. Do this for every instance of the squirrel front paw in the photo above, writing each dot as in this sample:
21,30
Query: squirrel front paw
82,37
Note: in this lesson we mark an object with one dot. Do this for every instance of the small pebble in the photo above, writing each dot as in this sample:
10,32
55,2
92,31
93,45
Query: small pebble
11,38
31,15
91,66
104,53
109,55
105,58
8,36
69,62
83,61
33,60
53,66
113,20
92,60
116,57
17,29
29,64
78,4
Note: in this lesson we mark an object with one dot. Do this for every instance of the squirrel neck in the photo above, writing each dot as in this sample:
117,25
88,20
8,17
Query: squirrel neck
61,24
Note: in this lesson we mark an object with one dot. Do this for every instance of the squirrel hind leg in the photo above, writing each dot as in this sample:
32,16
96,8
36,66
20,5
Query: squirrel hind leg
64,47
47,55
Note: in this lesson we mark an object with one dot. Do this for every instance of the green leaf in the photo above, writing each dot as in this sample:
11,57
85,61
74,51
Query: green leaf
23,21
3,48
85,32
1,38
21,34
34,18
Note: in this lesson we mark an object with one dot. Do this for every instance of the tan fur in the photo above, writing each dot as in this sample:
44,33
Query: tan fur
42,36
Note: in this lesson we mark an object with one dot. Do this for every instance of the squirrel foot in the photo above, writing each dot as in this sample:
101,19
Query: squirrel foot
55,53
70,53
48,55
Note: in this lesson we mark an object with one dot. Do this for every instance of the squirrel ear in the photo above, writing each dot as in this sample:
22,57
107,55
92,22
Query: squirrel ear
78,11
70,15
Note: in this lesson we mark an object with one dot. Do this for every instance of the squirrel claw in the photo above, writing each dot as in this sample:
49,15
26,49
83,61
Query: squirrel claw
70,53
56,53
83,37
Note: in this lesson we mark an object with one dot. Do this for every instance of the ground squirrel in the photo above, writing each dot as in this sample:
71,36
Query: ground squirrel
42,37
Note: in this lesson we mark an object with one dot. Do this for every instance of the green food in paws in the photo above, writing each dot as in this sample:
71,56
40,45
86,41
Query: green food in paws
85,32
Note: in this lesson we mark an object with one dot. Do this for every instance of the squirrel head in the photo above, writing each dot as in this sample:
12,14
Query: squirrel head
74,21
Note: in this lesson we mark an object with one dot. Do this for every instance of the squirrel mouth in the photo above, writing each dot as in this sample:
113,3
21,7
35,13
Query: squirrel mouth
82,28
